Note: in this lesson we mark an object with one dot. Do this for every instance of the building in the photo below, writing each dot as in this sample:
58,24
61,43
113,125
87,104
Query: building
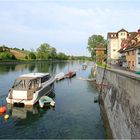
114,40
100,53
130,52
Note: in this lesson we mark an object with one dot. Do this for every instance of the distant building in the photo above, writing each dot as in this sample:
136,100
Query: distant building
114,42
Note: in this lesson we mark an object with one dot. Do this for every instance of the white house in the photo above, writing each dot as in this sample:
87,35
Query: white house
114,40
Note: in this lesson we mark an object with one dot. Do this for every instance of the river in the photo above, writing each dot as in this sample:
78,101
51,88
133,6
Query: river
75,115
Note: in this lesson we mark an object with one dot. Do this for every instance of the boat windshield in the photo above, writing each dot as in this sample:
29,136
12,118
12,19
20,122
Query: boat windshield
25,84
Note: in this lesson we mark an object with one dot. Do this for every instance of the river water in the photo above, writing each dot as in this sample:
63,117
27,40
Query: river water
75,115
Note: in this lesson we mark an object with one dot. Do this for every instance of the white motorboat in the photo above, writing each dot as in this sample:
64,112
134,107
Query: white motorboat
29,88
60,76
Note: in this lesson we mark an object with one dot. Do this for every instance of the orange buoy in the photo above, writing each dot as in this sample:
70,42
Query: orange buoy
2,109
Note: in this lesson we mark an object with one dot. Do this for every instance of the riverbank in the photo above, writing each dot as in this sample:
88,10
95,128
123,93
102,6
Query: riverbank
103,110
120,95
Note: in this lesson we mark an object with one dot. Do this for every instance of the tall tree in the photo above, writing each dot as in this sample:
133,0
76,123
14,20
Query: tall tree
93,42
43,51
52,53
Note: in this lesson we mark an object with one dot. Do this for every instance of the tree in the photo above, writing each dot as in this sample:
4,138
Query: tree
62,56
43,51
32,55
93,42
52,53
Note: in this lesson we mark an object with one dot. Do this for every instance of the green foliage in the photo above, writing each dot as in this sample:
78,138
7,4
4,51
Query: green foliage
43,51
32,55
62,56
93,42
26,57
6,56
52,53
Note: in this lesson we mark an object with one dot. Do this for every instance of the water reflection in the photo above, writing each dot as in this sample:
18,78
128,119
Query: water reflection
21,112
27,112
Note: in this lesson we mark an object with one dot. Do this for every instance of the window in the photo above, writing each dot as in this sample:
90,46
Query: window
114,50
45,78
139,51
138,60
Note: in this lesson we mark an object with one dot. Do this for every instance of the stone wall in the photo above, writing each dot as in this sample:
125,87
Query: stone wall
121,96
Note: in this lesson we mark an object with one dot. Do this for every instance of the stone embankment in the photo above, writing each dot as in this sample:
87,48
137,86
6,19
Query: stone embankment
121,98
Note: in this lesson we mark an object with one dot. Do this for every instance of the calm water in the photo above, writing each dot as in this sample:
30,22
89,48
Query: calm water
75,115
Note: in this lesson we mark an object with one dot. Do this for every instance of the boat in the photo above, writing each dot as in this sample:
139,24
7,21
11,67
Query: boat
59,76
84,66
70,74
46,100
29,88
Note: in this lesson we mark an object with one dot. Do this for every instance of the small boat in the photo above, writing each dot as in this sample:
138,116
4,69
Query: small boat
29,88
45,100
60,76
70,74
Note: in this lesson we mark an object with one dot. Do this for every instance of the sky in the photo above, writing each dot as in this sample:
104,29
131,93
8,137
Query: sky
64,24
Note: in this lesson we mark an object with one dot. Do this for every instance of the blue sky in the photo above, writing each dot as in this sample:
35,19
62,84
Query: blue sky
64,24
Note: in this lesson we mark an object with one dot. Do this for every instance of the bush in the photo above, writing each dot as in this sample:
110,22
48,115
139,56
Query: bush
7,56
32,55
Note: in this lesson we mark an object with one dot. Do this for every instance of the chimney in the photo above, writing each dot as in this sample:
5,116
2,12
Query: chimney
138,31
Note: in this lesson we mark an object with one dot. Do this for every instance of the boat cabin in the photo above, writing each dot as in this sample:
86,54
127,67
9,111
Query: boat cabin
26,82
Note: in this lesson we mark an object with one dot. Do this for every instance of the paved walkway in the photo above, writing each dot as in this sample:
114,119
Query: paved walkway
125,71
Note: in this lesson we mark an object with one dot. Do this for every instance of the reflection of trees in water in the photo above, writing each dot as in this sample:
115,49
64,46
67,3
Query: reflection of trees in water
61,65
47,66
43,67
31,67
5,69
91,73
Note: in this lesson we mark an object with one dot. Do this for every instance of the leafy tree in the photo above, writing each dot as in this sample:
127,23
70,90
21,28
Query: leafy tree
93,42
32,55
62,56
7,56
1,49
52,53
26,57
43,51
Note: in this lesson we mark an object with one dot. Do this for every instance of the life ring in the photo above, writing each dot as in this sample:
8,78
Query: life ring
2,109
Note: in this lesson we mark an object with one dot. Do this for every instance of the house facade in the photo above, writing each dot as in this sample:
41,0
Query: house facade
114,40
131,52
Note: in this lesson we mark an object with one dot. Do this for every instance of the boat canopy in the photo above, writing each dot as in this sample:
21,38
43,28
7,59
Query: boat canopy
27,83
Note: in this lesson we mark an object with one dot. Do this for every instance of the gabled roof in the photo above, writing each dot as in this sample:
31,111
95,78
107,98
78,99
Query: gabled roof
109,34
122,30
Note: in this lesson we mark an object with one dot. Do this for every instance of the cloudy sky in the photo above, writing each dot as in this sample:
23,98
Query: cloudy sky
64,24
